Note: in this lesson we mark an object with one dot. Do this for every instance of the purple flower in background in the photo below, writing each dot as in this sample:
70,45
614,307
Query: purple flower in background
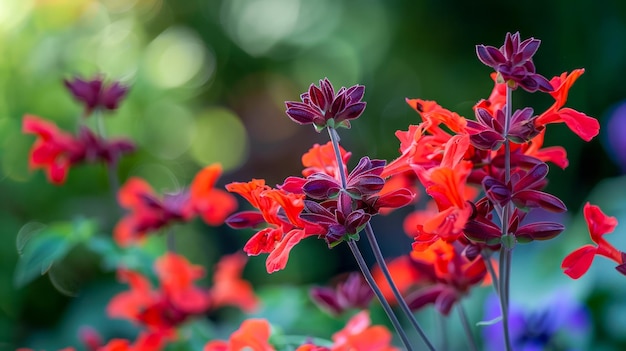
559,324
93,93
353,292
615,137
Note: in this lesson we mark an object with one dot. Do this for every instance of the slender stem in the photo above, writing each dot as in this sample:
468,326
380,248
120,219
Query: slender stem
334,138
507,245
492,272
466,327
371,238
444,330
370,280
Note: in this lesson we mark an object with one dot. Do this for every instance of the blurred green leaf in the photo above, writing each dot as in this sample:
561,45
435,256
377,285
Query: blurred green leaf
40,246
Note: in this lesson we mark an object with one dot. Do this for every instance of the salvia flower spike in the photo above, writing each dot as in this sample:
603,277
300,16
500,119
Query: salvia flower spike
323,107
514,64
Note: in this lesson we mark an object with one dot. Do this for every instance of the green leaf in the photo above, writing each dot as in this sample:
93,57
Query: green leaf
39,246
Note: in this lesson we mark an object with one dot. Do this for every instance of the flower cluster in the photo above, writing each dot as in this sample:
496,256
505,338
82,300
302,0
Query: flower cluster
148,212
483,177
56,151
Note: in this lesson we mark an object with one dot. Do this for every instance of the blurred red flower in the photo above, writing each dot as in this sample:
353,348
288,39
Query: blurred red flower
578,262
148,212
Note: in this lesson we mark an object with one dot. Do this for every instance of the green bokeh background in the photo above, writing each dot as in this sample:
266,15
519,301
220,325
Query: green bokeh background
208,83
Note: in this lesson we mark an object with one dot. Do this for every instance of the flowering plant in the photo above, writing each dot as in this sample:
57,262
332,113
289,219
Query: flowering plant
475,185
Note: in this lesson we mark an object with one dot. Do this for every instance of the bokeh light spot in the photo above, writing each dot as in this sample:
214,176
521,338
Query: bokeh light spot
220,137
167,130
257,25
178,57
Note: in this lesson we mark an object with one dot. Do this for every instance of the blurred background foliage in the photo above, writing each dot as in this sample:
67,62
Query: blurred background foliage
208,83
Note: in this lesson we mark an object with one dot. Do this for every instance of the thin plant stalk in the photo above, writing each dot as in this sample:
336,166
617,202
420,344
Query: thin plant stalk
371,238
372,283
443,330
507,245
471,342
170,240
369,232
492,272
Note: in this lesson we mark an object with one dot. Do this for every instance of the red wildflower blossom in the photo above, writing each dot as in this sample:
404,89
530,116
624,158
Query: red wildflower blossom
146,341
253,334
423,145
228,287
54,150
358,334
578,262
321,159
175,300
449,274
148,212
280,212
584,126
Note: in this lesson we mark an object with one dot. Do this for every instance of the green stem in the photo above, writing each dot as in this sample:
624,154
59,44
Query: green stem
443,329
507,243
466,327
371,238
334,138
492,272
372,283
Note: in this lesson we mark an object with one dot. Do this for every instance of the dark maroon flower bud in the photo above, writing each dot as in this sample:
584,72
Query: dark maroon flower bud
538,231
100,149
351,293
482,230
513,62
245,219
486,133
321,186
322,107
522,128
441,296
95,94
622,267
496,191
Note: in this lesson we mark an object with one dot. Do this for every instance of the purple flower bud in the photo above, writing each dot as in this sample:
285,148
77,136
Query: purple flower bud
322,107
95,94
513,62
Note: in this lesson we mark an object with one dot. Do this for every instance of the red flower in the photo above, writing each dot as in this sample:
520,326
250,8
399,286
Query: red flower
146,341
54,150
584,126
358,334
253,335
578,262
175,300
280,212
321,159
149,212
228,286
448,273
